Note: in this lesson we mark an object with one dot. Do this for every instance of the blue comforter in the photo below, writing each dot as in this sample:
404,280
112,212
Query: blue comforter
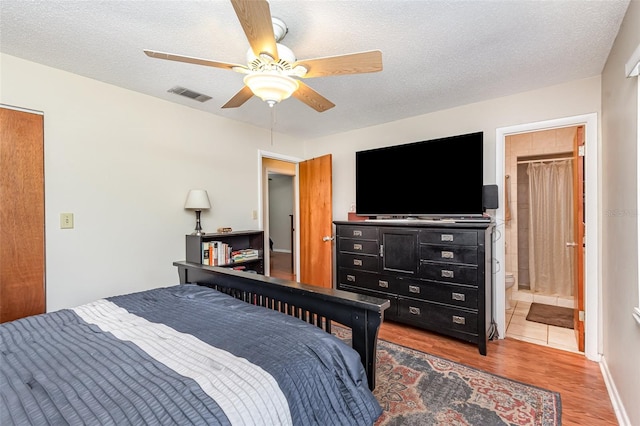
178,355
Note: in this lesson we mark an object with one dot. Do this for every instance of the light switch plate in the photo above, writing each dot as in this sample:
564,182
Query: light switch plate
66,220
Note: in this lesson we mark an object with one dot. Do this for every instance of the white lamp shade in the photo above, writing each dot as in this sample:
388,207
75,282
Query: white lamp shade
271,87
197,199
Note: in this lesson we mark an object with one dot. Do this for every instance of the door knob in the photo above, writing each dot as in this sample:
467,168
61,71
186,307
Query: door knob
572,244
327,238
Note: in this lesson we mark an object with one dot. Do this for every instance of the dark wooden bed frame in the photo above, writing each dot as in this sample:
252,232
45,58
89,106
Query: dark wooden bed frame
315,305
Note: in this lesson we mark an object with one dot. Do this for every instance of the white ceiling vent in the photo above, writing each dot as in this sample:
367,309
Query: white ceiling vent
189,94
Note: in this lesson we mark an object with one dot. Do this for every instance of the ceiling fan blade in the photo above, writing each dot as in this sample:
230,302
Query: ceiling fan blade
239,98
255,18
353,63
312,98
192,60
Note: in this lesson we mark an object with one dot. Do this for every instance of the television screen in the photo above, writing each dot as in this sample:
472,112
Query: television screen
434,178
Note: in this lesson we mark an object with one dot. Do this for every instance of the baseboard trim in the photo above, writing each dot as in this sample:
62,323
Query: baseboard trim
614,396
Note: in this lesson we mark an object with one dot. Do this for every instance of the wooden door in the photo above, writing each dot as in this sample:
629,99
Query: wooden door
578,231
316,225
22,252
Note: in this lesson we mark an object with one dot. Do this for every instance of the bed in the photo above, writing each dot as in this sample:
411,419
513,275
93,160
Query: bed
213,350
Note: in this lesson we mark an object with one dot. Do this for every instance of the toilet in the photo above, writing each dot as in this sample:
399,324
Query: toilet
509,280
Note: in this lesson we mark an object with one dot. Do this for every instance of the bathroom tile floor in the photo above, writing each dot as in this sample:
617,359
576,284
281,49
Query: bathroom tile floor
541,334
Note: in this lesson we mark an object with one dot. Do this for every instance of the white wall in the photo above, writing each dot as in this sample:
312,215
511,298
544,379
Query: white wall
574,98
620,218
123,163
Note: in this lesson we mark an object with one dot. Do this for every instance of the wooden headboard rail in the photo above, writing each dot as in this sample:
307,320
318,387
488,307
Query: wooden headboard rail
315,305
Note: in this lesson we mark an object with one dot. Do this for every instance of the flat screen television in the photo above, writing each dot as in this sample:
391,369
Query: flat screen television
438,178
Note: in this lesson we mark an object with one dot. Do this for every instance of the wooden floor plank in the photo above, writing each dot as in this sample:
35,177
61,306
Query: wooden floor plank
584,396
281,266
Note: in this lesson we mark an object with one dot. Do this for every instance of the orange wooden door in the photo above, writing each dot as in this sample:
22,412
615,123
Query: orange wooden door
316,225
578,232
22,261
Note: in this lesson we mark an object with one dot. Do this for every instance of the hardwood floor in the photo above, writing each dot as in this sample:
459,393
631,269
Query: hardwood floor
584,397
281,265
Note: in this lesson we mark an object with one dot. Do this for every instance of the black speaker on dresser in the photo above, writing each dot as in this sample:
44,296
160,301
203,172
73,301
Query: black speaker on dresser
489,197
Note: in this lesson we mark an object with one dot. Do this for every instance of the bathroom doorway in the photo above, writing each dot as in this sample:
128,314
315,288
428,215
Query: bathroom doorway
544,217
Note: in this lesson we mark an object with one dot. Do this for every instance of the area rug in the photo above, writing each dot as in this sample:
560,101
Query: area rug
551,315
418,389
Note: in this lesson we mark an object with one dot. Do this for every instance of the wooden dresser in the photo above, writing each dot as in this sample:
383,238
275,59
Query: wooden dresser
436,274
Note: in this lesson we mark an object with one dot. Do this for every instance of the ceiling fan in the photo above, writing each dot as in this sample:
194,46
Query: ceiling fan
271,66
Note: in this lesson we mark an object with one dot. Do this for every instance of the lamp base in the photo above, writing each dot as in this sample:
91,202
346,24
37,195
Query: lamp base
198,231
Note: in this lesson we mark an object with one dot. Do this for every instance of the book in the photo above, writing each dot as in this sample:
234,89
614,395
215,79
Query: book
205,254
223,253
244,255
213,253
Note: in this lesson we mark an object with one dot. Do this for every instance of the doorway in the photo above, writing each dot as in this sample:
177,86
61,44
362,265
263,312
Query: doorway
541,254
279,208
281,198
592,260
313,240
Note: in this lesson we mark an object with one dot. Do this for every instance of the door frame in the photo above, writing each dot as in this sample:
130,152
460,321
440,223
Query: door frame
592,278
263,200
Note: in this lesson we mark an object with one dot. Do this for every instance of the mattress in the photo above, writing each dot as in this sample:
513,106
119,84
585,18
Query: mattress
178,355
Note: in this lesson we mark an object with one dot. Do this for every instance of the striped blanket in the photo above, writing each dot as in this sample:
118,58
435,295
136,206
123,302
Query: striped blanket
178,355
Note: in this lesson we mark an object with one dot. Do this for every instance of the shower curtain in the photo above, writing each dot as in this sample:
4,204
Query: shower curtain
551,261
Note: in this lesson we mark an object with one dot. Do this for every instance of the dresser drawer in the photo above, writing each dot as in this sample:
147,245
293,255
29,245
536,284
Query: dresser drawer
451,294
461,274
390,313
437,316
359,232
363,279
361,262
449,253
449,236
349,245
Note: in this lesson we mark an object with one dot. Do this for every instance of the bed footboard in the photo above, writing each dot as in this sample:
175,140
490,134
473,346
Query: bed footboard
315,305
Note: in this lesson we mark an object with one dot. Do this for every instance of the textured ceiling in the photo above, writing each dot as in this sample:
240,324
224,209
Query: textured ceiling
436,54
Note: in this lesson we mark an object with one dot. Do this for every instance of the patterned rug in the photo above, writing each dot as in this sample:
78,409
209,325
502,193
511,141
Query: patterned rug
417,389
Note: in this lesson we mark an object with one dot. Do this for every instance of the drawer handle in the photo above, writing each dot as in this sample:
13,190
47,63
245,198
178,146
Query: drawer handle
357,233
414,289
384,284
414,311
446,273
446,254
351,278
446,237
357,262
357,247
457,296
458,320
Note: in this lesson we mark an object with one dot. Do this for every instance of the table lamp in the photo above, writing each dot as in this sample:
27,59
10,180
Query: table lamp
197,200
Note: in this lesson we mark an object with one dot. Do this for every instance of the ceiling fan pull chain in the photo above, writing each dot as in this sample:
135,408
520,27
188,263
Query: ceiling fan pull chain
273,120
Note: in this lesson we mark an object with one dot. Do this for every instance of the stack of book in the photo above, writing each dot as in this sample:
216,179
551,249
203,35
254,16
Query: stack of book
244,255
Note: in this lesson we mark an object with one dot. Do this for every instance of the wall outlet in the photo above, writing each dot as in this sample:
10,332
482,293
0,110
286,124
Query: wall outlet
66,220
254,214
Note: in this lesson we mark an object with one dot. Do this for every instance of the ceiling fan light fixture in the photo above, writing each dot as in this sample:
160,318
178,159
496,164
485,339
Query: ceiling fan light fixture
285,55
271,87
